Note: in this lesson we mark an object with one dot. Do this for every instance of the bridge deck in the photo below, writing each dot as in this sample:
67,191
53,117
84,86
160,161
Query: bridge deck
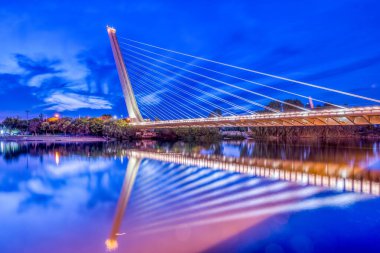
332,117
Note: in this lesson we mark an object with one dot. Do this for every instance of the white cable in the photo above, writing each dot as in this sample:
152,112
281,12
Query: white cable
236,77
154,114
204,84
144,80
158,111
188,101
146,107
187,115
261,73
196,89
183,91
222,82
174,94
165,104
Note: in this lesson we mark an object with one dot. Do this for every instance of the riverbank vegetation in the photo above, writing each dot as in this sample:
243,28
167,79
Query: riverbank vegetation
314,132
104,126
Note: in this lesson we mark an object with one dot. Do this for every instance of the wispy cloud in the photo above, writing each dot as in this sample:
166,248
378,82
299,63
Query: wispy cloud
72,102
100,72
150,99
48,81
37,66
30,72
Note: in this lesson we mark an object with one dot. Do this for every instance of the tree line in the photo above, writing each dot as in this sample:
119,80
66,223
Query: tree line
102,126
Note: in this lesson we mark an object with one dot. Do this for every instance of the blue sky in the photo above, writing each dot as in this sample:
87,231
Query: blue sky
55,55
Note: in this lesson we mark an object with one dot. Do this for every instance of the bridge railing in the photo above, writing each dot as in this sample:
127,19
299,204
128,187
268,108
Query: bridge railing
374,110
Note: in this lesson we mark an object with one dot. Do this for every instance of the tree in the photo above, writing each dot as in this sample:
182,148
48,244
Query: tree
96,126
216,113
106,117
45,126
11,123
80,126
34,125
295,102
53,127
119,129
286,106
63,125
15,124
275,105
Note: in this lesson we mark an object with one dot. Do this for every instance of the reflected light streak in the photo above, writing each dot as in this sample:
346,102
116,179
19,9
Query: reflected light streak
195,182
129,179
172,176
224,184
57,158
340,200
228,198
200,176
272,199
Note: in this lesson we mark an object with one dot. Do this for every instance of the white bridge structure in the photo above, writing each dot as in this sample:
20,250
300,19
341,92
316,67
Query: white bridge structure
174,92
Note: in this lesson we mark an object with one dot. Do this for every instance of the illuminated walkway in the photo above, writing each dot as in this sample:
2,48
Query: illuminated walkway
336,117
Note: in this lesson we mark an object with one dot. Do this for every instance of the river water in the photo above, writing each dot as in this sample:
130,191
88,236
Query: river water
146,196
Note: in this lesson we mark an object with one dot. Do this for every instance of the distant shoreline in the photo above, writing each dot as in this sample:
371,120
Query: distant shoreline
52,138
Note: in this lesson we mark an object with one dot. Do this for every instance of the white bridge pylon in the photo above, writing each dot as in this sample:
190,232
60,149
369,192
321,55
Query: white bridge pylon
129,96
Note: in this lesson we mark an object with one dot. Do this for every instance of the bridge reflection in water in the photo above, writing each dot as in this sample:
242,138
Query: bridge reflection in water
340,176
200,200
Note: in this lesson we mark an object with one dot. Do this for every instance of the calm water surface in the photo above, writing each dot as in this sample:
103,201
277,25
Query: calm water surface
188,197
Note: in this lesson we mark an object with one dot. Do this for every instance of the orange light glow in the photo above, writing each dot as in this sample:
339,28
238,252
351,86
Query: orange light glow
111,29
111,244
56,156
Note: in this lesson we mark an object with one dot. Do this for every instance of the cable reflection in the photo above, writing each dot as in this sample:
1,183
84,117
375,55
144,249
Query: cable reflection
239,189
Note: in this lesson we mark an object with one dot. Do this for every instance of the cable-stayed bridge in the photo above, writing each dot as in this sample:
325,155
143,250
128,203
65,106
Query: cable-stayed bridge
164,88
